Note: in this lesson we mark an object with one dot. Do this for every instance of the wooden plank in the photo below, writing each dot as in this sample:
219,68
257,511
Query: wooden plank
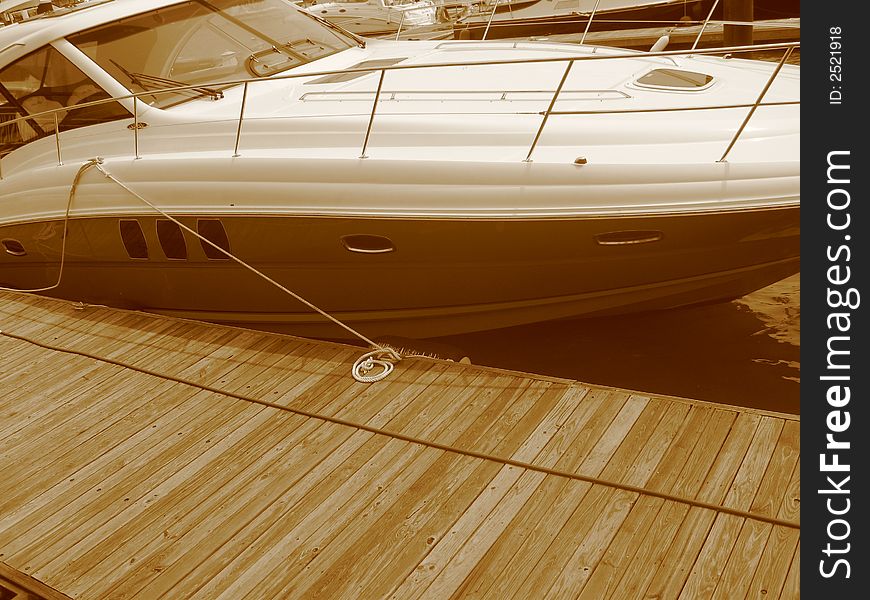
546,515
729,459
251,540
774,487
748,478
790,509
642,463
35,404
434,513
775,563
107,552
651,551
617,559
28,583
539,577
684,480
48,379
266,563
791,590
611,439
743,561
260,525
681,554
494,525
252,501
713,557
540,397
575,572
59,517
476,427
35,448
682,449
701,467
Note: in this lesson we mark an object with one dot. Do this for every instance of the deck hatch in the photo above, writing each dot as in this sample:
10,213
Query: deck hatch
213,230
171,240
674,79
133,238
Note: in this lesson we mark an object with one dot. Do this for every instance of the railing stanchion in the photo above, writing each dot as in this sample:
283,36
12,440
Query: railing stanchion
704,25
372,118
589,22
402,22
57,139
488,23
757,102
241,116
549,110
136,128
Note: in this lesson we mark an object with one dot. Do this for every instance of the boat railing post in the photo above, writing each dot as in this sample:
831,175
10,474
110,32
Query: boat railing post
549,110
241,116
372,117
401,22
136,128
704,25
757,102
489,22
589,22
57,139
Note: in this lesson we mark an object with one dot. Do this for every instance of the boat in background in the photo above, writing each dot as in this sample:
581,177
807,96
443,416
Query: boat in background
376,17
412,189
499,19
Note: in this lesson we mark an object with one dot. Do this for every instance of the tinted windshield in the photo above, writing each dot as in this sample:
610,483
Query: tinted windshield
208,42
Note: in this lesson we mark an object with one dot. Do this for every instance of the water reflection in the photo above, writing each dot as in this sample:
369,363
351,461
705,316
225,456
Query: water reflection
745,353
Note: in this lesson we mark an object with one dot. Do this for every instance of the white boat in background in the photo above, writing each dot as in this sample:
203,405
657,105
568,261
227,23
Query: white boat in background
376,17
408,188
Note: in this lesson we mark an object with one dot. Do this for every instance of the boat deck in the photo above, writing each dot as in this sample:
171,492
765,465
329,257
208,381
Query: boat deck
149,457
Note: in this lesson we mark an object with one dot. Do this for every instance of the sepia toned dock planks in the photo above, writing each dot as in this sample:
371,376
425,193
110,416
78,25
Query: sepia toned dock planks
148,457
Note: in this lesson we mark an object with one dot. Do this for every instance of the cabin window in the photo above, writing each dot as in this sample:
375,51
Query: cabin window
213,230
133,238
47,82
674,79
171,239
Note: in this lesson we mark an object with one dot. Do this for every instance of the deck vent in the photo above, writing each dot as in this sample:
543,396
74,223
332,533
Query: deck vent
213,230
14,247
133,238
171,240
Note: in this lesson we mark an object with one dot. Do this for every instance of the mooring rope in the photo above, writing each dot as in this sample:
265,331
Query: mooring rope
381,356
416,440
69,201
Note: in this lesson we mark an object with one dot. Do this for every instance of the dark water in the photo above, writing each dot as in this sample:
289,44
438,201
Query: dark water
725,352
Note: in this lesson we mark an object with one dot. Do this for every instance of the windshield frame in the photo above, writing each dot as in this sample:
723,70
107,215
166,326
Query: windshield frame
209,17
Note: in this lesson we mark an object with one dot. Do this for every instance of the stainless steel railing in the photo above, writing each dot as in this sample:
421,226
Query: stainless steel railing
546,114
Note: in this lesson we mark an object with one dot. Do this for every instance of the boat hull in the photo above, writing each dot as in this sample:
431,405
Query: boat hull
443,276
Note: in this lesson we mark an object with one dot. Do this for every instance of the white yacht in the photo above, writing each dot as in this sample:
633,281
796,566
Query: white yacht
408,188
376,17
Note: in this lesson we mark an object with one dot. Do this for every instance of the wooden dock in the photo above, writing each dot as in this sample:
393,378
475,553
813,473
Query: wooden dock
148,457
